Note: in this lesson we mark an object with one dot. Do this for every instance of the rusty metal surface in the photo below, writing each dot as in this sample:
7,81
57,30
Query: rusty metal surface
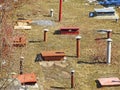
69,30
52,55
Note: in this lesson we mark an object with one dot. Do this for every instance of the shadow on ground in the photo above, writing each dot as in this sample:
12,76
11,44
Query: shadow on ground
83,62
58,87
35,41
38,58
71,56
46,15
98,84
57,32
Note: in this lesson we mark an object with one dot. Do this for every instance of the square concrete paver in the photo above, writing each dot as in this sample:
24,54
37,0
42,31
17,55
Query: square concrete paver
111,81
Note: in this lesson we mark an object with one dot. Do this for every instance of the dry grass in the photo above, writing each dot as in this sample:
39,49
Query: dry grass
87,67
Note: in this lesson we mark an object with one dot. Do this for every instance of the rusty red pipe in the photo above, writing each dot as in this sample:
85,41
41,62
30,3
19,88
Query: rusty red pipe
72,78
60,10
78,46
45,34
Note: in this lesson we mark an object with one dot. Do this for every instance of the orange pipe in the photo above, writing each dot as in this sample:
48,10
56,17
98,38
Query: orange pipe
60,10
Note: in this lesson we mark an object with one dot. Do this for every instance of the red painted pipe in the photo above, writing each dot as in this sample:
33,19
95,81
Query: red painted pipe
78,47
72,79
60,10
109,34
45,36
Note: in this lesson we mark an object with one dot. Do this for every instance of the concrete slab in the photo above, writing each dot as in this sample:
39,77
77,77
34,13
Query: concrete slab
116,16
62,64
111,81
22,23
23,27
46,64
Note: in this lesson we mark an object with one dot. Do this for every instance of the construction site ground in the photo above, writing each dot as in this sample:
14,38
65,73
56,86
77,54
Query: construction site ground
55,75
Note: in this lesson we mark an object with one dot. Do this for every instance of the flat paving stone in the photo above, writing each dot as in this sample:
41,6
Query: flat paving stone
111,81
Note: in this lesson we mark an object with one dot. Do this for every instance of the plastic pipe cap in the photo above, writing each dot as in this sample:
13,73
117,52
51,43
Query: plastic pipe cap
21,57
46,30
109,40
65,58
51,10
78,37
73,71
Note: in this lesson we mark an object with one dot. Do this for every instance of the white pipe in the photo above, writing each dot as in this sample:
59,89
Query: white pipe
51,12
109,41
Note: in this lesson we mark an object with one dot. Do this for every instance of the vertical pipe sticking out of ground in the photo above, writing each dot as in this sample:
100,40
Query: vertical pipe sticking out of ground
78,46
21,65
45,34
51,12
72,78
109,41
60,10
109,34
